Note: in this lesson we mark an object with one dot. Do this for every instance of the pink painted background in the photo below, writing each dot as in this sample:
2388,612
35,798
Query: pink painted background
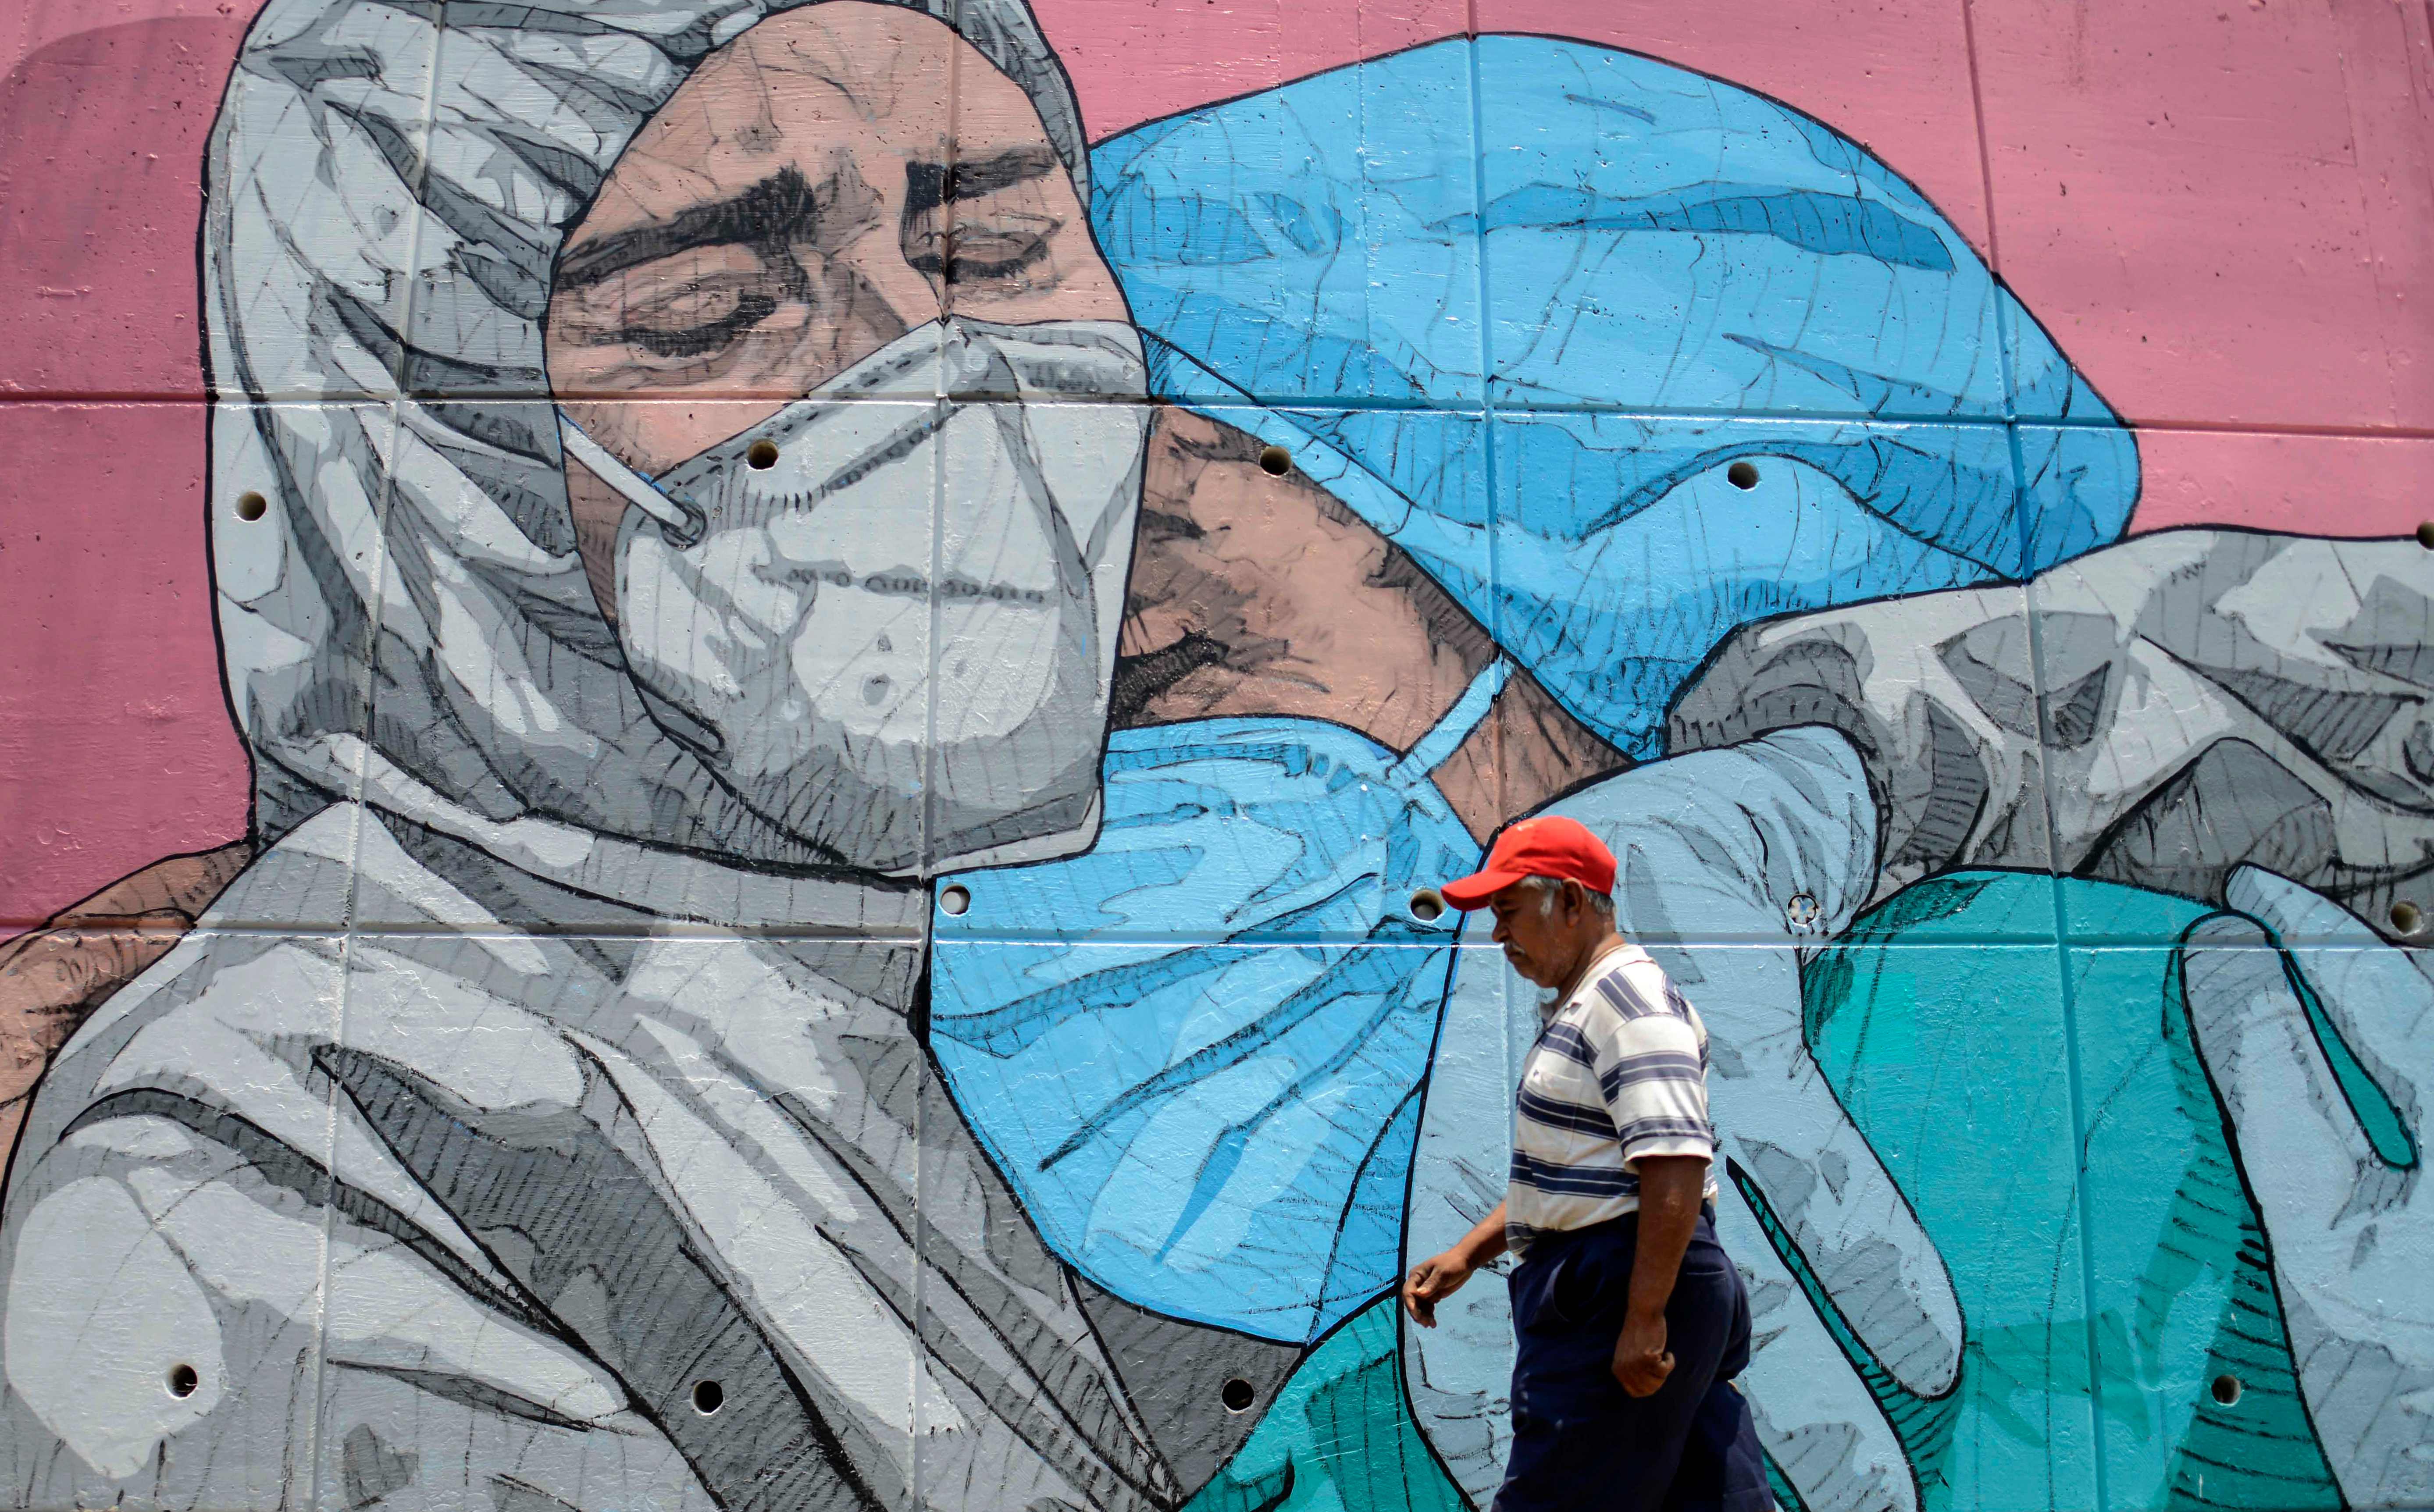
2223,211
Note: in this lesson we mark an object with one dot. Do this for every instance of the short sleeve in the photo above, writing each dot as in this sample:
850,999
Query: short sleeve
1652,1071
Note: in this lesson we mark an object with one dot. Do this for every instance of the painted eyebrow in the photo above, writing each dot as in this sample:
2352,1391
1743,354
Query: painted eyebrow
779,209
929,185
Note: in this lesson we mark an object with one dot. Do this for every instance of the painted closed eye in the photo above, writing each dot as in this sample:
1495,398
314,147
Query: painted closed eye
976,251
989,218
697,325
696,303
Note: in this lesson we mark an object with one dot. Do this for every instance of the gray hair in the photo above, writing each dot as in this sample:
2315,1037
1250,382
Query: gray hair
1547,889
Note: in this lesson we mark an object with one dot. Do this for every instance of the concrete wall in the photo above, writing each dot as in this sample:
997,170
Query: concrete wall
726,949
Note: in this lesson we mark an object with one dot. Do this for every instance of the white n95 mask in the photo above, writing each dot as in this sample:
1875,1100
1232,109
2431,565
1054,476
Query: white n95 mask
785,620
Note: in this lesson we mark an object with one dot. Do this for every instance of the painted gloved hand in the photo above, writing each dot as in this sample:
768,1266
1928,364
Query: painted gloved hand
2329,1139
52,979
1730,863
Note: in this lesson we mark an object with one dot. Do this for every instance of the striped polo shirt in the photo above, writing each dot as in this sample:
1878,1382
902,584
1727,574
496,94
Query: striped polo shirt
1619,1072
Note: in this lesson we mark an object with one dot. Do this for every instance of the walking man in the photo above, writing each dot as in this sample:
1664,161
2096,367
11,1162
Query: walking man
1630,1322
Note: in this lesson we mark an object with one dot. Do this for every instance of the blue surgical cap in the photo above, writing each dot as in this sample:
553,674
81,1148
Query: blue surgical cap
1534,365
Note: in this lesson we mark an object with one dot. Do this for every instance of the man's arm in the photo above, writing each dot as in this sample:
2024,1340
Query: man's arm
1669,1189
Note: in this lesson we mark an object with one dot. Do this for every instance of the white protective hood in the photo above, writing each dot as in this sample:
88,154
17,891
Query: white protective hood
409,621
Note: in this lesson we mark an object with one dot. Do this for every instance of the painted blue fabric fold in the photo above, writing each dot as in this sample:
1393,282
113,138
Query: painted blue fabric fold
1674,275
1195,1049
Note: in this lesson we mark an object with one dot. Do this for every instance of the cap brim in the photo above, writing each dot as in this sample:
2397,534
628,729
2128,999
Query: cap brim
1473,892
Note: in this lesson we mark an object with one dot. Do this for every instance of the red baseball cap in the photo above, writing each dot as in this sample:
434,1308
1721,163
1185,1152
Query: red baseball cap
1549,845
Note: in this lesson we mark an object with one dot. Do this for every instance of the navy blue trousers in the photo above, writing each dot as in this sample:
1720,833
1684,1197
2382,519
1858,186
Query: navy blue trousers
1580,1442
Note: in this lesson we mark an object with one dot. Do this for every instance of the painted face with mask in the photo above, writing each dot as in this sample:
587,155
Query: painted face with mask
853,416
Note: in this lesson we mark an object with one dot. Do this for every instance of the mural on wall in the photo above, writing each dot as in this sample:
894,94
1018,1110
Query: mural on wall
854,700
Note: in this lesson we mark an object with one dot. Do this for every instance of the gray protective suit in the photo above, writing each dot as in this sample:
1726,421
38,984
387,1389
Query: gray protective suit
522,1130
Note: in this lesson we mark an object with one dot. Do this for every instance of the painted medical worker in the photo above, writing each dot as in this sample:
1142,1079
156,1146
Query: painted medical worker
721,506
686,560
1628,1318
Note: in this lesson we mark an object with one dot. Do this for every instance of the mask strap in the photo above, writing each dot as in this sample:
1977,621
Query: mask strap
1437,747
684,525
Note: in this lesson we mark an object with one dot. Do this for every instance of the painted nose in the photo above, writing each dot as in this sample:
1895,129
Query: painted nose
862,297
887,289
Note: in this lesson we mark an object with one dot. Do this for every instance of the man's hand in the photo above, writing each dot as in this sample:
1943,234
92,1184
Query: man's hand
1641,1361
1430,1283
1434,1280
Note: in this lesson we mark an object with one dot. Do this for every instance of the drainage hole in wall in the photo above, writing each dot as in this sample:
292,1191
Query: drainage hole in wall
2225,1389
762,454
182,1379
1427,905
2406,918
956,899
1275,461
1237,1395
252,505
1741,474
708,1397
2426,535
